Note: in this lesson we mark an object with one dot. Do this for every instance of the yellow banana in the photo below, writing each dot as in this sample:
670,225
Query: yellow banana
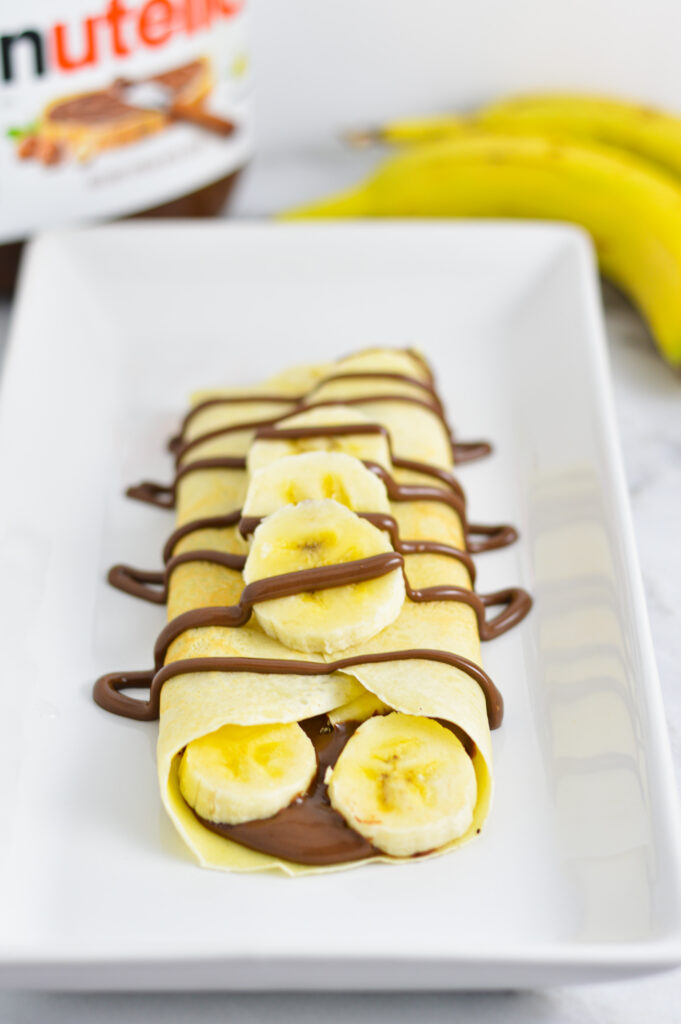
632,210
651,134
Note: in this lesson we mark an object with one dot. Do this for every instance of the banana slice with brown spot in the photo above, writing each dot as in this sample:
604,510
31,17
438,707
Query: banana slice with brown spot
406,783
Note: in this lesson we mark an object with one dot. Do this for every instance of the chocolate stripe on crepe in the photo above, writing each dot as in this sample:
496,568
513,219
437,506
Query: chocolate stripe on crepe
386,522
497,536
153,586
165,495
209,403
107,689
461,451
134,581
210,435
517,602
295,400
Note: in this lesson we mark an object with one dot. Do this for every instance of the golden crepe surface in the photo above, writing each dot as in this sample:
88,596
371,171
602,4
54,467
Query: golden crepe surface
338,479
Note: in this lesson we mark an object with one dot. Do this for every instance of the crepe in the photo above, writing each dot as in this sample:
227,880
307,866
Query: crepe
195,704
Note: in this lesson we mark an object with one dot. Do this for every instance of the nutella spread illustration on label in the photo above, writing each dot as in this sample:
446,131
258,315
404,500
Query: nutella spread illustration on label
109,109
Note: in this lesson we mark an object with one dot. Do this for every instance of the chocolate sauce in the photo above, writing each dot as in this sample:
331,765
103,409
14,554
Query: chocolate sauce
298,400
517,602
384,521
308,831
207,523
208,403
153,586
165,495
303,403
107,689
495,536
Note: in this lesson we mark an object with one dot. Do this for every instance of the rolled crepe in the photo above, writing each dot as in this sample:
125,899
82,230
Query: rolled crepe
195,704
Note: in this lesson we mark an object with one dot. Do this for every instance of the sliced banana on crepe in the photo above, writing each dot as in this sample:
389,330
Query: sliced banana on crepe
315,476
383,360
405,783
371,447
246,772
313,534
373,361
359,709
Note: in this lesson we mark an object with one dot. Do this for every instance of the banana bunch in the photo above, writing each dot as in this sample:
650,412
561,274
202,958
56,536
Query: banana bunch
611,167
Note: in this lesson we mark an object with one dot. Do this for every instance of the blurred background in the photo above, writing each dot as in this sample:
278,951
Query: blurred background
322,67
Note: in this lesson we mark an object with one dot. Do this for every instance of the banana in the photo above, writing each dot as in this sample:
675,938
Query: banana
372,447
246,772
386,360
359,709
318,533
313,476
651,134
632,210
405,783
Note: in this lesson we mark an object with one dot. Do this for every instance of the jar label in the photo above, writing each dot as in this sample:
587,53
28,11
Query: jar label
108,107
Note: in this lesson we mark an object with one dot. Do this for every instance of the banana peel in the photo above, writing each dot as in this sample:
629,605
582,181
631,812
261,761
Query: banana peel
631,209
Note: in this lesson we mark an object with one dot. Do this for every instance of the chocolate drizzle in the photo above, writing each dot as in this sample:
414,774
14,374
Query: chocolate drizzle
153,586
493,536
107,690
464,451
165,495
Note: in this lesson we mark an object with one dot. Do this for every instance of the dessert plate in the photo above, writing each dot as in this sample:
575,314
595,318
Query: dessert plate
575,876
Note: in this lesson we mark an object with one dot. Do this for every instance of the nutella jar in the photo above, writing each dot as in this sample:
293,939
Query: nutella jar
115,108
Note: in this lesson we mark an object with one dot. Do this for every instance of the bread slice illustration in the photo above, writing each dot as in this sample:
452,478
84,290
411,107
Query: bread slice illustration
88,123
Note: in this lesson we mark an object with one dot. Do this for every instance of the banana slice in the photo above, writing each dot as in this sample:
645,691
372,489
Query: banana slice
317,533
371,361
405,783
373,447
314,476
246,772
359,709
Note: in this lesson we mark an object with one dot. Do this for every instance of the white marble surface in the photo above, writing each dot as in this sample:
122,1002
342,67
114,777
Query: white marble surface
648,400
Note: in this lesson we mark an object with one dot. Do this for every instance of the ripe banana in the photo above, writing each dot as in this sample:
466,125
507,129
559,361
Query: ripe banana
632,210
359,709
245,772
317,533
313,476
405,783
383,360
650,134
373,447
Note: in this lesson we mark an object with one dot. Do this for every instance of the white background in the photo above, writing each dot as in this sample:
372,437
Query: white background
325,64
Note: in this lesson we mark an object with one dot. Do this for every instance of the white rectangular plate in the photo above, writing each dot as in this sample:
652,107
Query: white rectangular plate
575,876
